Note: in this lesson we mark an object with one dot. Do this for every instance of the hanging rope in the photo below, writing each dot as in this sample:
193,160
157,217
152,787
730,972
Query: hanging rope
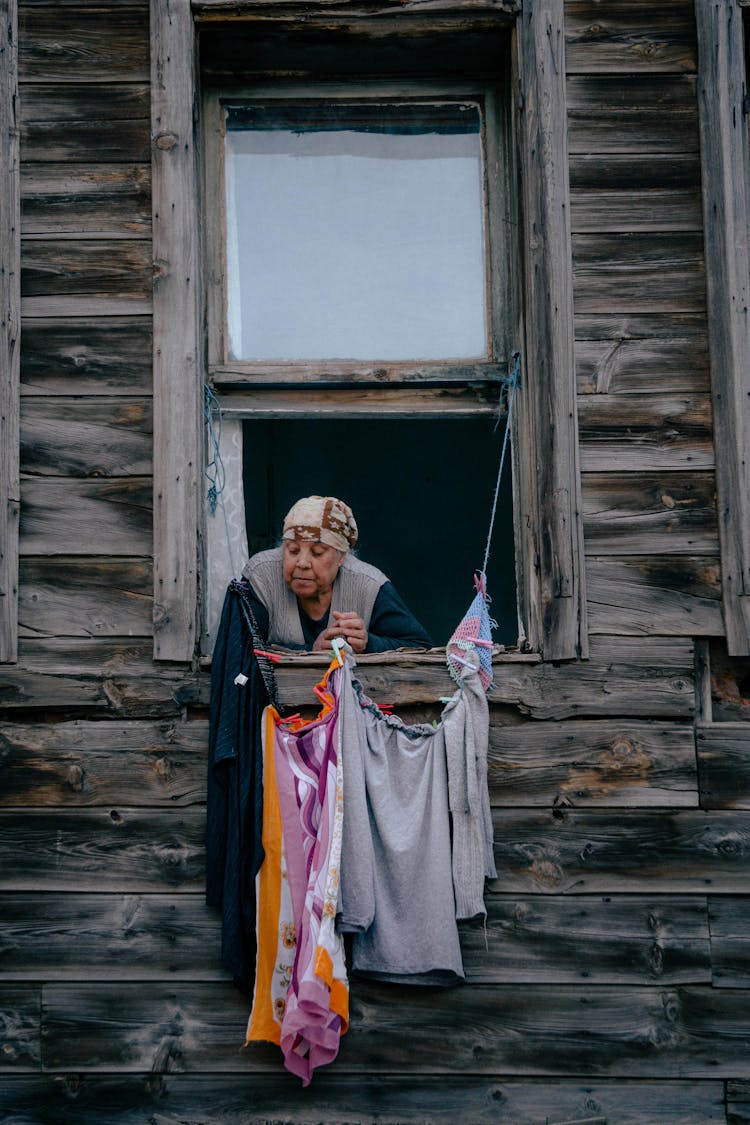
215,468
510,383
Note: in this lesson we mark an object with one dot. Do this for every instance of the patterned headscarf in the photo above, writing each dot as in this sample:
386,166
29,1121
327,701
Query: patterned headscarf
322,519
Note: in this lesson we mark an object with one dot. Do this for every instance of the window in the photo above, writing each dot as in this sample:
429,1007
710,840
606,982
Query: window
243,52
354,231
360,315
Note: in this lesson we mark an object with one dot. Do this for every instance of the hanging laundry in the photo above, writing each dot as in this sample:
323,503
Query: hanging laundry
417,832
301,998
234,850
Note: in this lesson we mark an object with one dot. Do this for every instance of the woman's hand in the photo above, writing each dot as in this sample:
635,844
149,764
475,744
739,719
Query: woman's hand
347,625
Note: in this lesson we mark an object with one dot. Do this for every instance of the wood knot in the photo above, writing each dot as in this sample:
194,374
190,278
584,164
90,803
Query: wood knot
547,873
165,141
163,768
75,778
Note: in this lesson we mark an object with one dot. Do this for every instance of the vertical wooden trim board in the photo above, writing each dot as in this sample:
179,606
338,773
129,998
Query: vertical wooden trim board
178,378
10,312
550,490
724,160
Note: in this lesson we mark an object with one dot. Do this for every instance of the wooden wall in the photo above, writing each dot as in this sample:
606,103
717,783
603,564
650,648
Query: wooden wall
613,980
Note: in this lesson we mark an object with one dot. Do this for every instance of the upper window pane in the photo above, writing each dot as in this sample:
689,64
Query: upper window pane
355,231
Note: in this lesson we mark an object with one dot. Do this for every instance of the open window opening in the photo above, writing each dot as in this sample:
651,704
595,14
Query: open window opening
421,492
362,300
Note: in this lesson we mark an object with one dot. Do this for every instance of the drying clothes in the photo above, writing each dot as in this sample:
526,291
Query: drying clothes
301,998
234,848
403,884
465,724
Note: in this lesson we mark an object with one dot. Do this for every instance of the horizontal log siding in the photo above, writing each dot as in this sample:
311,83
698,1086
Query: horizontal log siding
612,980
86,416
643,385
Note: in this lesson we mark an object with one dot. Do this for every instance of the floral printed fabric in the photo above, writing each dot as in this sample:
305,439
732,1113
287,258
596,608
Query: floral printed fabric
301,997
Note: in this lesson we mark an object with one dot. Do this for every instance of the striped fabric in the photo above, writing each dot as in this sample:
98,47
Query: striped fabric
301,997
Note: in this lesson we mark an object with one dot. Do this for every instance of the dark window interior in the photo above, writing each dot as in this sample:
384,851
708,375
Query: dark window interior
421,492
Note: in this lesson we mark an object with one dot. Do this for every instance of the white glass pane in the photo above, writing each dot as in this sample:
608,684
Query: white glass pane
355,232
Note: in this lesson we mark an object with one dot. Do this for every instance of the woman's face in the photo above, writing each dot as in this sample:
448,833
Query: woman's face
310,568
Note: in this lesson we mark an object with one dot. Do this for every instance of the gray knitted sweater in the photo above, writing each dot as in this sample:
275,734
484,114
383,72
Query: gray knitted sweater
354,591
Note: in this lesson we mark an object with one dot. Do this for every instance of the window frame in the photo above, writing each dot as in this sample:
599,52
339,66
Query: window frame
725,171
545,440
234,376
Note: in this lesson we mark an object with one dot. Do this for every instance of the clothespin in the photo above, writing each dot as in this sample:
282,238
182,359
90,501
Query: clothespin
337,644
289,719
240,679
272,656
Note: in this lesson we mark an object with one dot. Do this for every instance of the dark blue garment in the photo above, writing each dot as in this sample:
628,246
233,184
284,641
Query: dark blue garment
392,624
234,812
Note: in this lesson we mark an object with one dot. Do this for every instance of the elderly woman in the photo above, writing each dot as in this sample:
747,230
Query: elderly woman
312,589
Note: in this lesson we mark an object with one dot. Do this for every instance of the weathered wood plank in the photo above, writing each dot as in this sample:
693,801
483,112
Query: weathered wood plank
101,936
61,305
629,38
83,267
337,1099
724,765
345,375
625,764
549,486
729,920
95,763
628,1032
89,597
538,940
639,272
703,707
656,513
400,43
95,438
72,101
633,211
648,677
10,322
330,12
108,140
74,517
100,43
365,401
645,432
632,115
101,676
534,940
645,326
629,594
563,852
722,84
102,356
80,199
102,850
675,365
177,356
634,173
20,1047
